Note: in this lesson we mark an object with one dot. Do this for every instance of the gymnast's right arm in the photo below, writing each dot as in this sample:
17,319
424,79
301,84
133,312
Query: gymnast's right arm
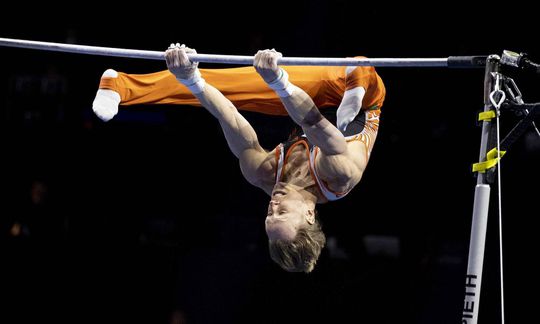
240,135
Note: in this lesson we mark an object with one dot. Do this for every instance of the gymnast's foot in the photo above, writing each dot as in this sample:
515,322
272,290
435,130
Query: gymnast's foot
106,103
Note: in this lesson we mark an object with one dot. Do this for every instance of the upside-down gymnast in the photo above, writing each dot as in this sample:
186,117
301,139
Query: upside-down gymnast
322,164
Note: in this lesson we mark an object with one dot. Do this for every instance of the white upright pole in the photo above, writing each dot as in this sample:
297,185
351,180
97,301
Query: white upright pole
473,278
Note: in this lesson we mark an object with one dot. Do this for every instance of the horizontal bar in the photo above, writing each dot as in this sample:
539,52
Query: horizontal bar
225,59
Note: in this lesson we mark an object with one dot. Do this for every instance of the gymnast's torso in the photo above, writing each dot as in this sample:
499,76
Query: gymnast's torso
295,163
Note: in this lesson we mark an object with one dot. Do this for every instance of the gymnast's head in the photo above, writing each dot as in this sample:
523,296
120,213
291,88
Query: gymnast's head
294,232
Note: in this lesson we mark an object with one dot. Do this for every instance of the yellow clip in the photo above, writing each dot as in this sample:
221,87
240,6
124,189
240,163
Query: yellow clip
486,115
491,161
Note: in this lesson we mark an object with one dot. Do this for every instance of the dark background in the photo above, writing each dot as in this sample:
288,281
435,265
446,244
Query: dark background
147,219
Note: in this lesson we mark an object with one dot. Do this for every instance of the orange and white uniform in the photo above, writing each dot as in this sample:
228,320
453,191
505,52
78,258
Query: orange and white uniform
244,87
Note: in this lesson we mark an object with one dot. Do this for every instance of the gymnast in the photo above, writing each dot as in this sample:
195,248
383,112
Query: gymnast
321,163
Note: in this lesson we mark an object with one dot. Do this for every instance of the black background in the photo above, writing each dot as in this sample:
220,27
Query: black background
148,216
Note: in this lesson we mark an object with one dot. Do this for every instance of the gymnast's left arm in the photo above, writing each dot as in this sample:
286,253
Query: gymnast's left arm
299,105
338,160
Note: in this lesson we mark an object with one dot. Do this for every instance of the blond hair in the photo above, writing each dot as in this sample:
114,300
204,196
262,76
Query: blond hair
301,253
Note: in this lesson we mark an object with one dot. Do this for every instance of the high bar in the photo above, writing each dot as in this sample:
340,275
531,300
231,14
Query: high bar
452,61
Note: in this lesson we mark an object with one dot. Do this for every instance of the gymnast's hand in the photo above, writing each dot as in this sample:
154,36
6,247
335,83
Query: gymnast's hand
178,62
265,62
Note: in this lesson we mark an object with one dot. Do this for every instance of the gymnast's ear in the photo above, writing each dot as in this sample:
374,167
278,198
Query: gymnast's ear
310,216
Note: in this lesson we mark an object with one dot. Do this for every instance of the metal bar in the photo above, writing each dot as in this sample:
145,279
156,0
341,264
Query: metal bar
228,59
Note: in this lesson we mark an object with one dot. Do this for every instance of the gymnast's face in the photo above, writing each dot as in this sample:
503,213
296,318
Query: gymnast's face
287,212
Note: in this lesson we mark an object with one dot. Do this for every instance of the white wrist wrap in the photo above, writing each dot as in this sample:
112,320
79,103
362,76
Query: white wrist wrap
281,85
195,84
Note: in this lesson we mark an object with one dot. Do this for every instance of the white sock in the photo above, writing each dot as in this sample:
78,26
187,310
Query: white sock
105,105
110,73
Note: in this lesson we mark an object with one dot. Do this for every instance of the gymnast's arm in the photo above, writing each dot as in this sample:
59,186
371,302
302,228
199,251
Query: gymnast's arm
255,162
338,160
299,105
338,163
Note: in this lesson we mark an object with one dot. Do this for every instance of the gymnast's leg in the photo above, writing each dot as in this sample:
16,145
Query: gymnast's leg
242,86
